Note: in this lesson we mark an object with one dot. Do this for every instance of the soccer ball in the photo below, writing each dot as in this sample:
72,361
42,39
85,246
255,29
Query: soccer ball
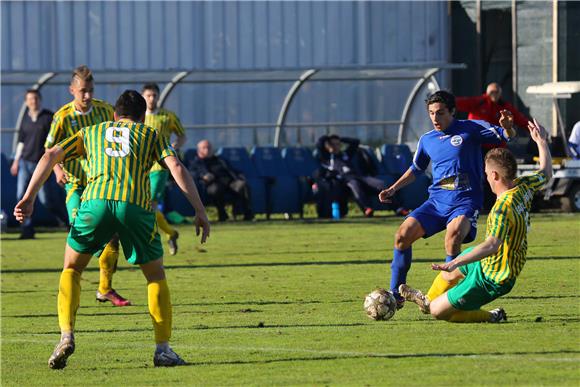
380,305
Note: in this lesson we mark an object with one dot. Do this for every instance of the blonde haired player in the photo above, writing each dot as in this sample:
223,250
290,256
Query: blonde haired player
84,111
167,123
117,200
489,270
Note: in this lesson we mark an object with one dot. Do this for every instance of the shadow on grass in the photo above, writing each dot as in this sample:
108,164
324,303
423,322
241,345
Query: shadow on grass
383,356
205,327
270,264
394,356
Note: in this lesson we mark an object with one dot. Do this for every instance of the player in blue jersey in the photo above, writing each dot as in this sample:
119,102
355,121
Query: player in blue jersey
455,197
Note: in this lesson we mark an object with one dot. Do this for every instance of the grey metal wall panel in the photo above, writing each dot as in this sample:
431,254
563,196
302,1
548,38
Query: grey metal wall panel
162,35
535,55
231,35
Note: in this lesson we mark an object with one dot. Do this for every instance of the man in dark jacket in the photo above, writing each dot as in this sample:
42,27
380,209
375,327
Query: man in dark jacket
220,179
31,136
337,173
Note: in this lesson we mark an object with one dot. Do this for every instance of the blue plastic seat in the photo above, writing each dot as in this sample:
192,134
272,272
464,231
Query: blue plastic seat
301,164
238,159
396,159
283,193
299,161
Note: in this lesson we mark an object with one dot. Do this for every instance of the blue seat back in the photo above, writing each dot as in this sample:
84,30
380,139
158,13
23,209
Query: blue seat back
396,158
268,161
299,161
283,193
238,159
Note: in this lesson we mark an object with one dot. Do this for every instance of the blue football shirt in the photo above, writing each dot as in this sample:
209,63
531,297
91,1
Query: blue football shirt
457,160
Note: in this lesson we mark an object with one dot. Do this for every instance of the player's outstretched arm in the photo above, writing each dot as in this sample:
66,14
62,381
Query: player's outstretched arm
540,137
506,121
42,172
186,184
407,178
486,248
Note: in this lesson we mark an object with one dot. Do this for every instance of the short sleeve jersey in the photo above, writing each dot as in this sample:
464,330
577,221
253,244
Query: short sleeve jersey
456,160
67,121
119,156
166,123
509,221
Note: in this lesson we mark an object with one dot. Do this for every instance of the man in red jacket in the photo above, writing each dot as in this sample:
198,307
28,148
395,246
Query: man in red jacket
487,107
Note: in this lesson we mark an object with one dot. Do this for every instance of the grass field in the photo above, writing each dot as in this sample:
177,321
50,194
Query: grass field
280,303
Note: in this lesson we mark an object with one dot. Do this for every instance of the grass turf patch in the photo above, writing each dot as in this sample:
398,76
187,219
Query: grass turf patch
280,303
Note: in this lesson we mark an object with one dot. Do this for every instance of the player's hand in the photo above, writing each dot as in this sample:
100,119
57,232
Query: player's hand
201,222
14,168
60,177
23,210
386,195
537,131
448,266
506,120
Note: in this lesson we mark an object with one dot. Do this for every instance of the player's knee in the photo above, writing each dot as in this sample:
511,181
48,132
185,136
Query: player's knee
438,315
437,311
402,239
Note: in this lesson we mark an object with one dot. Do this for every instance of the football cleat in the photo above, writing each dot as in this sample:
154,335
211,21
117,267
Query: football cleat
113,297
61,353
415,296
400,300
172,242
167,359
498,316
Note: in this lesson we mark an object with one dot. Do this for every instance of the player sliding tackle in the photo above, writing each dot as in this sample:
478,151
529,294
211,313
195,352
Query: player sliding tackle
489,270
116,200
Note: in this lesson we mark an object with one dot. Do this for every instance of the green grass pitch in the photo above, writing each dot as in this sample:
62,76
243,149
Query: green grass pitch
280,303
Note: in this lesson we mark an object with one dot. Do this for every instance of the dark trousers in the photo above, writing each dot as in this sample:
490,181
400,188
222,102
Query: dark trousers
330,190
363,188
217,191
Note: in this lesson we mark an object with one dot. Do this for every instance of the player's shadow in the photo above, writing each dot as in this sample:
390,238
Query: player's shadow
204,327
393,356
543,297
268,264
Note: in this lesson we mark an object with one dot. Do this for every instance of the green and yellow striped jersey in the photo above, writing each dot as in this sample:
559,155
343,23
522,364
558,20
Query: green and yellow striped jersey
119,156
166,123
509,221
67,121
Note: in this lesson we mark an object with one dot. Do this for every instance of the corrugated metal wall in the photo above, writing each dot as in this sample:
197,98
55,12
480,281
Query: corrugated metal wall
48,36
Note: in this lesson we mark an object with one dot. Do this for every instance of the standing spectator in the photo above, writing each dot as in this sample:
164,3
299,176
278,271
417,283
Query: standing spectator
220,179
488,107
337,173
31,136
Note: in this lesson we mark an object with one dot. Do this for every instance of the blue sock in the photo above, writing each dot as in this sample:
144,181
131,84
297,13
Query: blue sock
399,268
450,258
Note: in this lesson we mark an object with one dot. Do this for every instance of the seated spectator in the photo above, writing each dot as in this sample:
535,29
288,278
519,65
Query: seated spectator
574,141
337,176
220,179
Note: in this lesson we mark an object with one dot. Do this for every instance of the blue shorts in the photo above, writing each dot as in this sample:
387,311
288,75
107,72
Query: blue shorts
434,217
